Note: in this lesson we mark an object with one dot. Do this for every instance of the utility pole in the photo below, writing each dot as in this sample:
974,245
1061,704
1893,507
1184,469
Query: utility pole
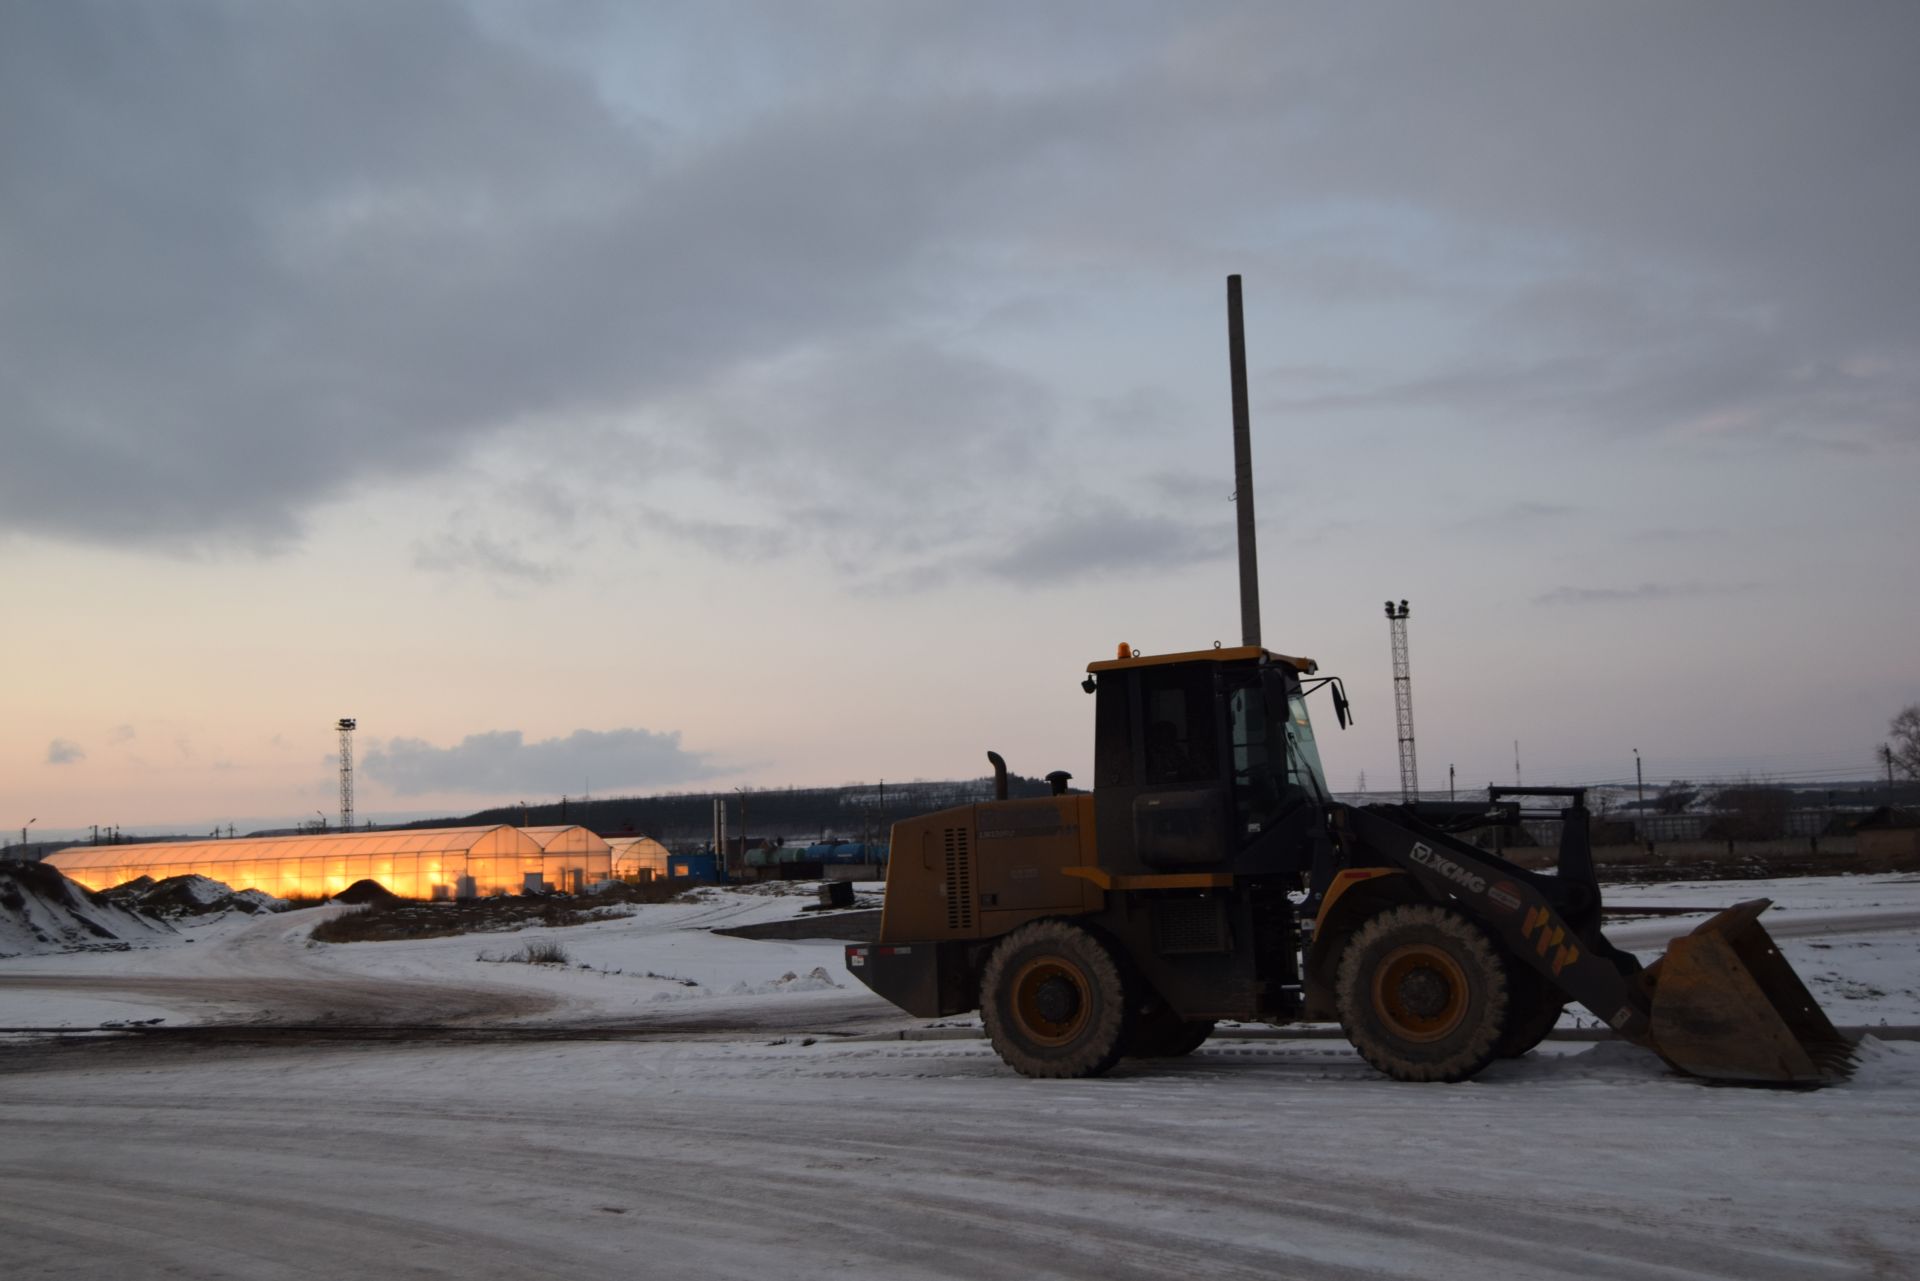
1516,762
1403,702
346,726
1449,782
1639,784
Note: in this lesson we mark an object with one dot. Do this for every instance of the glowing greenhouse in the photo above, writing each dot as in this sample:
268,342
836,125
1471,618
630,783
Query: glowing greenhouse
425,863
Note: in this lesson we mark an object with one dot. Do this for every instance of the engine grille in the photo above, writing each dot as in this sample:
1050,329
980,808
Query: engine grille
959,880
1187,925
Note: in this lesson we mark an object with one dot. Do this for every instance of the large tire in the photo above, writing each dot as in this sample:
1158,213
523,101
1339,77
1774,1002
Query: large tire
1422,994
1054,1002
1533,1007
1162,1034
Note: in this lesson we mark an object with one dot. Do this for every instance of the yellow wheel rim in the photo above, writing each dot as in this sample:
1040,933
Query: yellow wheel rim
1420,992
1051,999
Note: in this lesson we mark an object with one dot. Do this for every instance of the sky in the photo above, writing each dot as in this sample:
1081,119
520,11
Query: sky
608,399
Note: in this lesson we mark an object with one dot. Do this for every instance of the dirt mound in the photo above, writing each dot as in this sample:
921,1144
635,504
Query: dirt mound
398,918
189,895
366,891
42,911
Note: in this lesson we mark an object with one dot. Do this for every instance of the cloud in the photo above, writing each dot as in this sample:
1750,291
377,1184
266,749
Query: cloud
500,762
1109,540
1642,592
729,540
257,253
1526,514
122,734
498,559
64,751
877,420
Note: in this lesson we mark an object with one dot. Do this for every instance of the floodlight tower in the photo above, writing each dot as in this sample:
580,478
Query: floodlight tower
346,727
1403,702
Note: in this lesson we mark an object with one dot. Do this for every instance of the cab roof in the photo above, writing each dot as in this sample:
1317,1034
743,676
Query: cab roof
1234,654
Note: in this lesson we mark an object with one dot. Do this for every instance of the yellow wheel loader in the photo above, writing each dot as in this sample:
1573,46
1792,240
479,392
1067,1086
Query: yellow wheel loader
1210,875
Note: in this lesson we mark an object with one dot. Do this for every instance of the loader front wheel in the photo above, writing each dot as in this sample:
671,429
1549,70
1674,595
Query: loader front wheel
1054,1001
1422,994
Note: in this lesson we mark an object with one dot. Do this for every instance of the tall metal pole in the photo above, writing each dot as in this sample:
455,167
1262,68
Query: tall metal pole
1403,702
1639,784
1243,469
346,726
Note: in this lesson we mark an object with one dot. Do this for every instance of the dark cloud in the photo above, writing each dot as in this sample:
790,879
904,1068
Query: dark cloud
255,253
500,762
64,751
1642,592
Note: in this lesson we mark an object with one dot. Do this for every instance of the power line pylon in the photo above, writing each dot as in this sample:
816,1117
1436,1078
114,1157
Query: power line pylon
1403,702
346,727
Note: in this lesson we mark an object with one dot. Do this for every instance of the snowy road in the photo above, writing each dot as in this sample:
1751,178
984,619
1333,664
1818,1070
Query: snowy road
920,1161
713,1140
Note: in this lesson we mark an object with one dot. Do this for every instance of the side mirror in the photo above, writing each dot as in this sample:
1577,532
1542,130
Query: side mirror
1340,711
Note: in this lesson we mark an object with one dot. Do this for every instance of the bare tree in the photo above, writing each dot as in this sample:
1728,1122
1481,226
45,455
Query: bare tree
1903,745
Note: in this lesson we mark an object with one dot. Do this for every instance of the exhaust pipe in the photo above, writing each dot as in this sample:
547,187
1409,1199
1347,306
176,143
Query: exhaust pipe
999,776
1243,469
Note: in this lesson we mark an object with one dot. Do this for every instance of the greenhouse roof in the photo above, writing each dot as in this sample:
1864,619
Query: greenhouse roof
566,837
499,838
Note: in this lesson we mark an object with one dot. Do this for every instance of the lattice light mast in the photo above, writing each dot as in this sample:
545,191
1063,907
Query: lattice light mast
346,727
1403,702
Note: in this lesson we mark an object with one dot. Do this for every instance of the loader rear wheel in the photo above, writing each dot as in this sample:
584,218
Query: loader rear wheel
1054,1002
1422,994
1533,1007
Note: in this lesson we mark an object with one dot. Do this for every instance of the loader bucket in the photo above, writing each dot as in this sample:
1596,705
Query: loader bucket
1727,1006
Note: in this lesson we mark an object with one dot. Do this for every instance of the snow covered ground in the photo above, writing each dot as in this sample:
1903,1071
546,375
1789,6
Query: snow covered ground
753,1139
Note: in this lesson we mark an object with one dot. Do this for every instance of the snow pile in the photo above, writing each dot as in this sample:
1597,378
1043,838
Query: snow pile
42,911
190,895
815,980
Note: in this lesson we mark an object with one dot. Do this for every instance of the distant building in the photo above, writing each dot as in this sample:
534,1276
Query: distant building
639,858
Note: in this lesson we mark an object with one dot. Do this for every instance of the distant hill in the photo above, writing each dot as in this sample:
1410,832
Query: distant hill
685,820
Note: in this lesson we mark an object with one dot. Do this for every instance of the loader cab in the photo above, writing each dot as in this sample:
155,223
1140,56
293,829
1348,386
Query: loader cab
1204,762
